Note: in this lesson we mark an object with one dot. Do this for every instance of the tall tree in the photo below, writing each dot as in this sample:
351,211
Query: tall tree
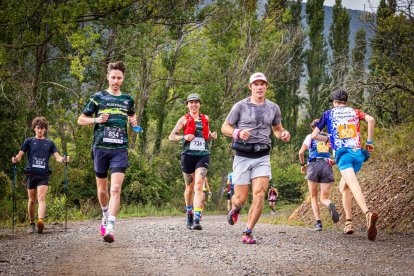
392,70
358,74
316,60
339,42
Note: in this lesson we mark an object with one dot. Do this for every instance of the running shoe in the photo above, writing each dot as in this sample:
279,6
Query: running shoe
247,238
317,227
190,220
32,228
104,223
232,216
40,226
348,229
109,235
371,224
334,213
197,225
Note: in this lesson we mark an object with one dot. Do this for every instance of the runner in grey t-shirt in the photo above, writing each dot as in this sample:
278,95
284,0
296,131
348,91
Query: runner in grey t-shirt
250,123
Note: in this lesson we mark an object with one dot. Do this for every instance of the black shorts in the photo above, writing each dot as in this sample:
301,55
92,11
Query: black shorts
189,163
33,181
114,159
230,194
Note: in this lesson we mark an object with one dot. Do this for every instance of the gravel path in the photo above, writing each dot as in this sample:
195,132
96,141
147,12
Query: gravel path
164,246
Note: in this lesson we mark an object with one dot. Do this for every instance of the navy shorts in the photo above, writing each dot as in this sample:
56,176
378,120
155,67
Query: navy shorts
105,159
36,180
189,163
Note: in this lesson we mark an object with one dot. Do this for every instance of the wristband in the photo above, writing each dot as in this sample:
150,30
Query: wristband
369,142
94,120
302,164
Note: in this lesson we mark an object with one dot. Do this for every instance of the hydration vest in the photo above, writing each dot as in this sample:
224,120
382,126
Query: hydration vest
190,126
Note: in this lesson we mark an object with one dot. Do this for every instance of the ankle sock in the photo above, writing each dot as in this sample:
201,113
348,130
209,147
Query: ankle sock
319,221
189,209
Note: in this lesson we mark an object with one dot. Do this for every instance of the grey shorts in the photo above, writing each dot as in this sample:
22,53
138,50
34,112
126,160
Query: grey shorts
245,169
320,171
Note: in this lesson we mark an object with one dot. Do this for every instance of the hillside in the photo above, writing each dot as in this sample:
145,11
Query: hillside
387,181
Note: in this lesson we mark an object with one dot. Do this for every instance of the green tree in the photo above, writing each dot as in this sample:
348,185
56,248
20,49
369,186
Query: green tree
316,60
339,42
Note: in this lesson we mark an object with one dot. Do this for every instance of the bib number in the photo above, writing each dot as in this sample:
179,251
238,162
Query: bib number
347,131
198,144
322,147
39,163
113,135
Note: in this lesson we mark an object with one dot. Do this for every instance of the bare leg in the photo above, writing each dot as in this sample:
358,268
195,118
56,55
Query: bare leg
325,191
352,182
189,188
241,193
115,199
259,188
346,198
41,199
313,190
31,203
199,175
102,191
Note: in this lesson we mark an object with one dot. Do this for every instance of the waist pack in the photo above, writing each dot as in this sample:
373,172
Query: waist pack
249,147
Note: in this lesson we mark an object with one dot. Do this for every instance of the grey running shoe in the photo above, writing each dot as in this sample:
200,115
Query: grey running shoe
197,225
32,228
317,227
334,213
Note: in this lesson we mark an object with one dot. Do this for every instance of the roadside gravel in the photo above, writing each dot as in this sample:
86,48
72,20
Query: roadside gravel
164,246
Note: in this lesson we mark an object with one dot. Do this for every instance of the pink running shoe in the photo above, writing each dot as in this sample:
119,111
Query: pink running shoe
109,235
247,238
103,226
232,216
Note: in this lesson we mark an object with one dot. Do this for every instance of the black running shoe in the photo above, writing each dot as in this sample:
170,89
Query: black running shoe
190,220
334,213
197,225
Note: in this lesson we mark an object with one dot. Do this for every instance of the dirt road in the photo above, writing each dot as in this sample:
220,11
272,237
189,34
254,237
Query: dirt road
164,246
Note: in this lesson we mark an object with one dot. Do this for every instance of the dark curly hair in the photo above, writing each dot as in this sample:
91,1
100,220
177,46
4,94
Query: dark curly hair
118,65
40,122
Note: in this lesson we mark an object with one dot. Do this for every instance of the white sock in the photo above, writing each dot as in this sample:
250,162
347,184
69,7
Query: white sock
105,212
111,221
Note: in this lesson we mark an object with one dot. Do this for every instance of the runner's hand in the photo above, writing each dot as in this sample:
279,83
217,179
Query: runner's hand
245,134
369,148
103,118
14,160
303,169
213,135
133,121
330,162
189,137
285,136
65,159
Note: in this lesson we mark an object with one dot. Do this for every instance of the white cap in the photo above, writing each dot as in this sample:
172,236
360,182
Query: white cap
257,76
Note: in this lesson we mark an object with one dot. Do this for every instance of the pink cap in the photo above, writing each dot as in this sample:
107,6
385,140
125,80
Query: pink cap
257,76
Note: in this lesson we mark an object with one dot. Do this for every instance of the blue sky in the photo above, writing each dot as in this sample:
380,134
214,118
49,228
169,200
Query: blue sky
370,5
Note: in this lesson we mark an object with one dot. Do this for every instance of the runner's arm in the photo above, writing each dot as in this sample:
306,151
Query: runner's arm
371,124
61,159
281,133
84,120
302,154
227,129
175,133
18,157
317,136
